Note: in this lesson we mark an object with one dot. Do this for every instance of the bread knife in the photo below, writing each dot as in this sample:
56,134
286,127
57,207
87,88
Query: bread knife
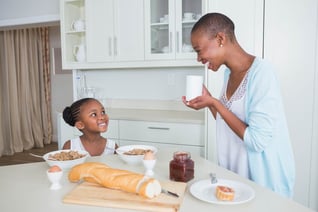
169,193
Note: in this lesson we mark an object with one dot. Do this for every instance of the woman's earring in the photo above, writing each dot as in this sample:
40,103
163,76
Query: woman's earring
221,45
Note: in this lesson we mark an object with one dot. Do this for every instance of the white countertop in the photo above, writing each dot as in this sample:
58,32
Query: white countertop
26,188
196,117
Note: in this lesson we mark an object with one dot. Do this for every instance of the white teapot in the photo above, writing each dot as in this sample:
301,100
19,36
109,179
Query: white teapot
79,53
78,25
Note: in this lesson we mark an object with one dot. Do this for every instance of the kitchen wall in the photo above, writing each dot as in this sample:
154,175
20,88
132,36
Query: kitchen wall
21,12
62,85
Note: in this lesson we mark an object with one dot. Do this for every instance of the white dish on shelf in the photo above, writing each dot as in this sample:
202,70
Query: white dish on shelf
188,19
204,190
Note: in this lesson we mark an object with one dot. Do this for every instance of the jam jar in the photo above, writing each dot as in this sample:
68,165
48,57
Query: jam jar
181,167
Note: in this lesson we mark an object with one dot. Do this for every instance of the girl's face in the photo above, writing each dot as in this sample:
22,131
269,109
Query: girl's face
208,50
93,117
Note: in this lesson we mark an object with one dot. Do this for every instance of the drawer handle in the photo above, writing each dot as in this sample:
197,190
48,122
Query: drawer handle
159,128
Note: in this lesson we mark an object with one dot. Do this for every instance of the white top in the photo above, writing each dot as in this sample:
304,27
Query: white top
76,144
232,152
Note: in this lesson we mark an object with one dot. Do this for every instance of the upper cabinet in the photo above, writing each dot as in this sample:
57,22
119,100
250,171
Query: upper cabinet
103,34
96,33
114,30
73,32
168,25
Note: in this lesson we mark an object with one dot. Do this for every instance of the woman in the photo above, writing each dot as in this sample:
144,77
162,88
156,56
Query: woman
252,135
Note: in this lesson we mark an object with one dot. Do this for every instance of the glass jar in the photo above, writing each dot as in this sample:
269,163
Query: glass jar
181,167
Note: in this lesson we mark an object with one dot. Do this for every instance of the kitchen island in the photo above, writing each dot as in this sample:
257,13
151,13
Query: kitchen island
26,188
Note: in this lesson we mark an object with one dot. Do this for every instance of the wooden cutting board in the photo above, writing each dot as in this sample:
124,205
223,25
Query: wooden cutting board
93,194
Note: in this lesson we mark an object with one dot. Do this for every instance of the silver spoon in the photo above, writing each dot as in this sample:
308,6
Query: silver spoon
213,178
39,156
34,155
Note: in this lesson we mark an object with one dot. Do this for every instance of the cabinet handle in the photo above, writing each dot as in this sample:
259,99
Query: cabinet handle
170,42
115,46
159,128
178,50
110,46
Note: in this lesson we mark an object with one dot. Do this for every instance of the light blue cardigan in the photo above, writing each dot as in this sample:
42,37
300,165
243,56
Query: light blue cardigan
270,155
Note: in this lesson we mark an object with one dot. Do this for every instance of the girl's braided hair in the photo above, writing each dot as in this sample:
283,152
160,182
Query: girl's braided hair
71,113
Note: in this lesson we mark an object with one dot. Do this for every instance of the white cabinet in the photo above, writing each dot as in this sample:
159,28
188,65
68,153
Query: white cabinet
114,32
70,11
67,132
168,25
178,136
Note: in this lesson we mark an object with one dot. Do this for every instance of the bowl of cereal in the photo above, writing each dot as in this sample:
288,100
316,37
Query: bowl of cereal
65,159
134,154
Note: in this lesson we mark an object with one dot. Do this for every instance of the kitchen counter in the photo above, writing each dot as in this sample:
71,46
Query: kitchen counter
196,117
26,188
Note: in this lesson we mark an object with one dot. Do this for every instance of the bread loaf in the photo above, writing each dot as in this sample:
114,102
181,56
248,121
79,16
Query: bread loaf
115,179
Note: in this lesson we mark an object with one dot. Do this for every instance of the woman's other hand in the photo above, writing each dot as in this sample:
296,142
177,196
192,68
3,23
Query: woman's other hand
201,101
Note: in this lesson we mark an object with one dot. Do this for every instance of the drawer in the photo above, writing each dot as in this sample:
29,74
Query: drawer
160,132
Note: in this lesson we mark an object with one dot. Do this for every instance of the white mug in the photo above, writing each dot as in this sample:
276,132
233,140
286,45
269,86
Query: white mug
78,25
194,86
188,16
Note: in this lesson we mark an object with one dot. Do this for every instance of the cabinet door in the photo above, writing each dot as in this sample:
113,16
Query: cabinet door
187,13
129,30
159,29
99,21
168,28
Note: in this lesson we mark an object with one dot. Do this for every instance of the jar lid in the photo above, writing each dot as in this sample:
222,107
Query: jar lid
181,155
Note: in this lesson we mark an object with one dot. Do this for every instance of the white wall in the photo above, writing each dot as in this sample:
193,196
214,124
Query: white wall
290,39
146,83
20,12
62,85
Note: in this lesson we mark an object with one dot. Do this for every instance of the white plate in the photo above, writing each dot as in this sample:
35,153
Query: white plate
188,19
205,191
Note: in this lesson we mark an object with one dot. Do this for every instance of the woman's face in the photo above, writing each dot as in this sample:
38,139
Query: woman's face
208,50
93,117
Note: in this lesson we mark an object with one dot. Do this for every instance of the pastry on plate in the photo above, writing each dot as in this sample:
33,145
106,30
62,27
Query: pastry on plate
224,193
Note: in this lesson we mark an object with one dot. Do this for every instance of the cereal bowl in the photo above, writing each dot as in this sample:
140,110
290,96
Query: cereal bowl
134,154
65,159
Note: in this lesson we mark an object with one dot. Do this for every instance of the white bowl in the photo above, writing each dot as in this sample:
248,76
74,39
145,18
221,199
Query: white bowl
66,164
133,159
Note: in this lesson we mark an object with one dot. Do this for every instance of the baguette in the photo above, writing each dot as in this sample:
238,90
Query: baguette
115,179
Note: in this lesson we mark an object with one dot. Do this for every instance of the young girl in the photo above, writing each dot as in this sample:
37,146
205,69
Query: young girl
88,115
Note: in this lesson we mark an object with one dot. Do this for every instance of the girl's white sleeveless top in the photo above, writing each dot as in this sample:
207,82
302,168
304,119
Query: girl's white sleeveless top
76,144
